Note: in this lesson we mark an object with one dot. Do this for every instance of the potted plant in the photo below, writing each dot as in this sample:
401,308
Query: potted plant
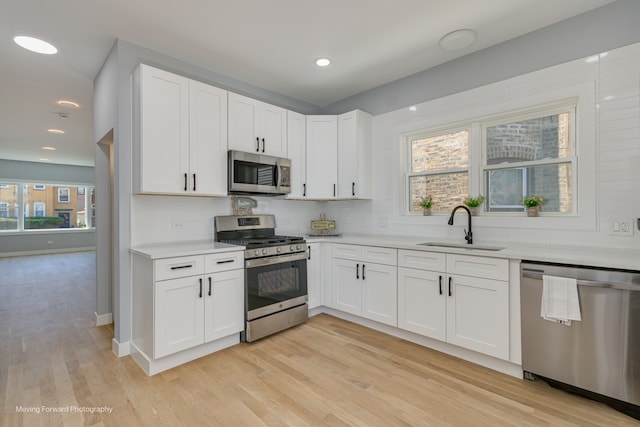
533,203
473,203
426,203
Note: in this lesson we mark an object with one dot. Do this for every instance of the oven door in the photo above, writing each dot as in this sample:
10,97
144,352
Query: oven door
274,284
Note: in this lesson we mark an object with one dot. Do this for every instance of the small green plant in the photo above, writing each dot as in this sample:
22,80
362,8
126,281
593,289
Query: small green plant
532,201
473,202
426,202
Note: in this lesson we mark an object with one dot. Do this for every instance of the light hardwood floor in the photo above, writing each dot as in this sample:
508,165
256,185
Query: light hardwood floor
325,372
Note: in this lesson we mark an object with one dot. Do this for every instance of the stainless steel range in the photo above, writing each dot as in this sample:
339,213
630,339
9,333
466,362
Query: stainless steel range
275,273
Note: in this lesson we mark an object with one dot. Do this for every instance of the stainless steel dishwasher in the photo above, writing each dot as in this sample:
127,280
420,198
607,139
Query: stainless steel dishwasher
598,356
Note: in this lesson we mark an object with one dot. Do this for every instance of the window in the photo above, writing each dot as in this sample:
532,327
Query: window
438,168
39,209
8,213
527,156
63,195
503,158
24,210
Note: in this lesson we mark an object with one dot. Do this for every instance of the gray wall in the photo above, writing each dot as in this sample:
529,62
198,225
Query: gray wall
36,242
611,26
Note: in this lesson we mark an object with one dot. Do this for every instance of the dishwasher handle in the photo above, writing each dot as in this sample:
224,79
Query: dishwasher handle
537,274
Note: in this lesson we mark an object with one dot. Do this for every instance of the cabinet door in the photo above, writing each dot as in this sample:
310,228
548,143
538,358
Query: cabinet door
314,275
322,157
243,133
380,293
422,302
478,315
347,290
164,131
297,152
178,315
272,130
224,304
208,140
354,155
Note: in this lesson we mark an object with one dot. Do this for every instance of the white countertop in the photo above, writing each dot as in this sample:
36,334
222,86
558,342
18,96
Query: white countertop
578,255
177,249
597,257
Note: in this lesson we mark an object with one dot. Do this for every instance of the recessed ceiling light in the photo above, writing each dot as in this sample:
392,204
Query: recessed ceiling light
44,160
323,62
413,108
65,103
458,39
35,45
49,148
55,131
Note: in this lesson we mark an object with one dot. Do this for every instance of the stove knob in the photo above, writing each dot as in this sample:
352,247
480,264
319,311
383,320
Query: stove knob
298,247
264,252
256,252
278,250
292,248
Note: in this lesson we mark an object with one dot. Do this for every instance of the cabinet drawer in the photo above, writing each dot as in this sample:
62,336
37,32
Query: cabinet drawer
371,254
476,266
377,255
432,261
173,268
353,252
223,261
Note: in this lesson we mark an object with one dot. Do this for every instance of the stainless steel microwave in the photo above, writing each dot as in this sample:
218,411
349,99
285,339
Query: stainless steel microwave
251,173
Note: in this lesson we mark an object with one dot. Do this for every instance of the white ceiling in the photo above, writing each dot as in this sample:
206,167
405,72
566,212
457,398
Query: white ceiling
270,44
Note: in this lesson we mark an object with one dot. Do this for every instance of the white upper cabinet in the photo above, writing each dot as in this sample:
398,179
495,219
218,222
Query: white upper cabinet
322,157
180,134
354,155
296,147
208,139
257,127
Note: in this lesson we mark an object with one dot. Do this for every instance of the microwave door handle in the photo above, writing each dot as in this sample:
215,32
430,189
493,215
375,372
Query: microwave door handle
278,175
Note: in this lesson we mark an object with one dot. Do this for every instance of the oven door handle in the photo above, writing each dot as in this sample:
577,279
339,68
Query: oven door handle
278,259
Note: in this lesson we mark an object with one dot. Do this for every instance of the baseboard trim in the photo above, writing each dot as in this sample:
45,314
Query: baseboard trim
120,349
103,319
47,252
152,367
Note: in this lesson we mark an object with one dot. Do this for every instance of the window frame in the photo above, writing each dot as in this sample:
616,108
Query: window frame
22,206
36,205
61,191
566,106
476,126
424,134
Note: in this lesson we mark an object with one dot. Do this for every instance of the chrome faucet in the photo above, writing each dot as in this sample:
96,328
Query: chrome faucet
468,235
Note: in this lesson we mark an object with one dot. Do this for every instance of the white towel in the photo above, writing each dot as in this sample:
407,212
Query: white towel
560,301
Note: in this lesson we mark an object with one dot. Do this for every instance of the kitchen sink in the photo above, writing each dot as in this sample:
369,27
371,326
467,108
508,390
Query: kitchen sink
462,246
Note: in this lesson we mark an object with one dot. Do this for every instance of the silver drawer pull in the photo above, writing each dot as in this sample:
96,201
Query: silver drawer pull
226,261
179,267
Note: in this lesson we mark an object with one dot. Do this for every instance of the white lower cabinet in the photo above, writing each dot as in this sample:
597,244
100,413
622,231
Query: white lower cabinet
478,315
179,315
363,287
184,302
421,303
464,310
